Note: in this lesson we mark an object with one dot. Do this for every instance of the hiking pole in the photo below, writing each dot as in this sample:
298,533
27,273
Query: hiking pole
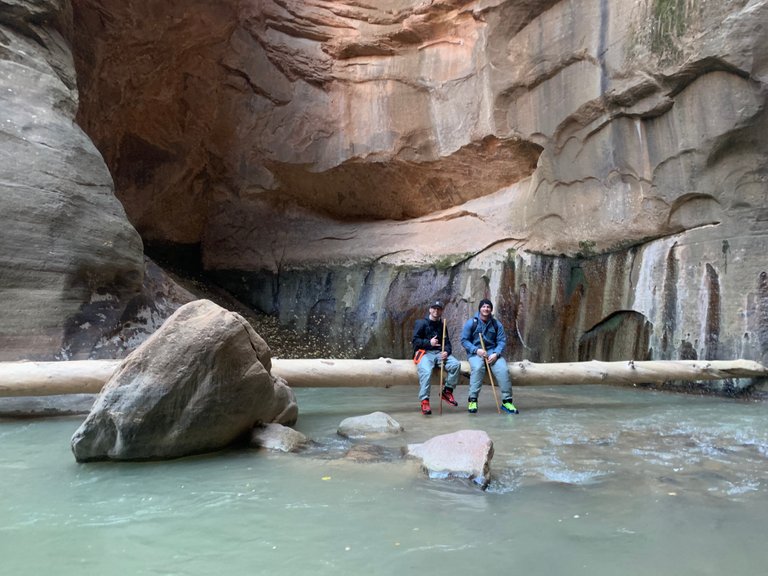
442,367
490,374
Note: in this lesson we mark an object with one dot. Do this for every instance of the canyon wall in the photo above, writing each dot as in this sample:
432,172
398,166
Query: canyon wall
67,250
74,282
597,168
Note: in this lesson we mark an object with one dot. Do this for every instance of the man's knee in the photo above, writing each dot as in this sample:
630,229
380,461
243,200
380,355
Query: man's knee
452,365
425,367
476,363
499,366
502,374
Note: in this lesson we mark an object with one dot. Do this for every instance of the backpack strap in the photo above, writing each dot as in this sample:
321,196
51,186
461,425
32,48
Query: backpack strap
475,324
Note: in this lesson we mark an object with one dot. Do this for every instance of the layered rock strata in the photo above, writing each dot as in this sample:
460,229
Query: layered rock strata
596,168
69,259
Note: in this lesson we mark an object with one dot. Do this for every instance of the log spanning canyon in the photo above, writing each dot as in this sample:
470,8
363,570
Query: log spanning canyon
89,376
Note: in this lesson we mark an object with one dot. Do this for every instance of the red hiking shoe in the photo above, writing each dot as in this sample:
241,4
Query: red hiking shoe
425,408
448,397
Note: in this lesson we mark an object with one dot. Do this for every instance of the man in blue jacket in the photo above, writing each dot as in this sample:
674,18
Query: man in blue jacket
428,345
495,340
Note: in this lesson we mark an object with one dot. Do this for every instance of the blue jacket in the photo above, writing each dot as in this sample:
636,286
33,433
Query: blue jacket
493,335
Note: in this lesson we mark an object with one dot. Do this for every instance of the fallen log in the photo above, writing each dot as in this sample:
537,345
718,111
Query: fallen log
89,376
388,372
52,378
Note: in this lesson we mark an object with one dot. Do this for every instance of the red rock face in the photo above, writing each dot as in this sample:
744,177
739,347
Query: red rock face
346,161
333,107
151,80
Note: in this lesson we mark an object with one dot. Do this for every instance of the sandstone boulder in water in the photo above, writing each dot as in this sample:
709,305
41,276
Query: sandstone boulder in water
199,383
465,454
374,425
277,437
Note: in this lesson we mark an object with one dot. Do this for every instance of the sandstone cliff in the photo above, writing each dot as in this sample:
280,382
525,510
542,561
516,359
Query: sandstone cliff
597,168
67,251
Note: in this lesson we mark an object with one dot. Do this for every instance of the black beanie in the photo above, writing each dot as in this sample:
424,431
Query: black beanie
483,302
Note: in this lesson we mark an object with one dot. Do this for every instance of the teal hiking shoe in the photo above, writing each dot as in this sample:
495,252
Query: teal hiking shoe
472,406
508,407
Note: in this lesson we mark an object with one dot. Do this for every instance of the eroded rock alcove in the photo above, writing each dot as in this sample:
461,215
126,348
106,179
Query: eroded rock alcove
596,168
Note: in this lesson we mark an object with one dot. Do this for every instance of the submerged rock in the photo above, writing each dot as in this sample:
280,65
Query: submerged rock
278,437
198,384
465,454
376,424
373,453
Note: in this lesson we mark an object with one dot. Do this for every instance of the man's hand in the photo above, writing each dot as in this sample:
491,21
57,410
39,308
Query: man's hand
480,352
492,358
443,355
434,341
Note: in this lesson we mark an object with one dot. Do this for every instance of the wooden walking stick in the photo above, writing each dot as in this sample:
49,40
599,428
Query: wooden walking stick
442,367
490,374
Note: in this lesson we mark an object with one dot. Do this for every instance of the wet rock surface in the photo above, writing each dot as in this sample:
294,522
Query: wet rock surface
372,453
374,425
464,455
277,437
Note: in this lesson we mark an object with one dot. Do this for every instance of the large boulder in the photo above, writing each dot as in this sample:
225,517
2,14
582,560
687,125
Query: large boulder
198,384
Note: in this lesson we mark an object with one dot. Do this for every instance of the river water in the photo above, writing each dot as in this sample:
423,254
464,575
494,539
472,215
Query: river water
587,480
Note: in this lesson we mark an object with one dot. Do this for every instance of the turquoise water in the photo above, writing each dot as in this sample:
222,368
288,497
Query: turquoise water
586,480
